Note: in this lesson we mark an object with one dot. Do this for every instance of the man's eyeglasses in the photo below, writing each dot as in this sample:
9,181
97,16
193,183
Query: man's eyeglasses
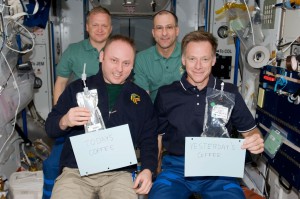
167,28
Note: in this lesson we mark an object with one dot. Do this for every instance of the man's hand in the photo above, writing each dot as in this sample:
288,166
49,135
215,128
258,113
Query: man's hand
253,142
143,182
76,116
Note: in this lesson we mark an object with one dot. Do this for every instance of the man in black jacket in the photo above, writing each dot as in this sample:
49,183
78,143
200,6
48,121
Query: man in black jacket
120,102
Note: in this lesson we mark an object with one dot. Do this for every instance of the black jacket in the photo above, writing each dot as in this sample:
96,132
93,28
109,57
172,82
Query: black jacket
139,116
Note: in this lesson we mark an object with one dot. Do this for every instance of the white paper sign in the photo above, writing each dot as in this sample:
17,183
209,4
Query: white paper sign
103,150
210,156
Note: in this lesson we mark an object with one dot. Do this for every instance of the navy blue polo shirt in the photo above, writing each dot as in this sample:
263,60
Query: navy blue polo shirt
181,109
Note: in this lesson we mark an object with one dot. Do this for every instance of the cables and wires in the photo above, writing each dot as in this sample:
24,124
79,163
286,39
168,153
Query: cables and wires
3,36
29,34
283,51
279,46
254,167
250,22
13,21
295,97
27,161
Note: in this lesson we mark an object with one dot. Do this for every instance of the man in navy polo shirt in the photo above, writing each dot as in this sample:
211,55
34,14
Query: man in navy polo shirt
181,109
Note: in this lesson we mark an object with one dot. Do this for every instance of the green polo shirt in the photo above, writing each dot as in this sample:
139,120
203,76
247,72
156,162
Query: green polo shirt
74,57
151,70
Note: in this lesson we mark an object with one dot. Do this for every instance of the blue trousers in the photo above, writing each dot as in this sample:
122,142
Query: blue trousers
171,183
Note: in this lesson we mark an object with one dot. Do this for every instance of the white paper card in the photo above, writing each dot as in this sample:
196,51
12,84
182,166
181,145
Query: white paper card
210,156
219,111
103,150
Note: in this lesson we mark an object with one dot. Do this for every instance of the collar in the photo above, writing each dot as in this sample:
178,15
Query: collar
189,87
87,45
176,52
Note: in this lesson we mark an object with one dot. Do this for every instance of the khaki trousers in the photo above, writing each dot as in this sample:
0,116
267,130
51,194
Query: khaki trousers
107,185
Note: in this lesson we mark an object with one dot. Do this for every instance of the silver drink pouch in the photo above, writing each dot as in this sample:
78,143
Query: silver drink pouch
89,99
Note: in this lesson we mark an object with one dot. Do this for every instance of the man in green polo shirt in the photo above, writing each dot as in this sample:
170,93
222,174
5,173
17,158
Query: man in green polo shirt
160,64
98,25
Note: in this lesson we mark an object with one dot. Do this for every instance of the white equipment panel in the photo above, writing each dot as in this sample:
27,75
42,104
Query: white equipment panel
41,64
218,24
71,22
277,191
187,13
